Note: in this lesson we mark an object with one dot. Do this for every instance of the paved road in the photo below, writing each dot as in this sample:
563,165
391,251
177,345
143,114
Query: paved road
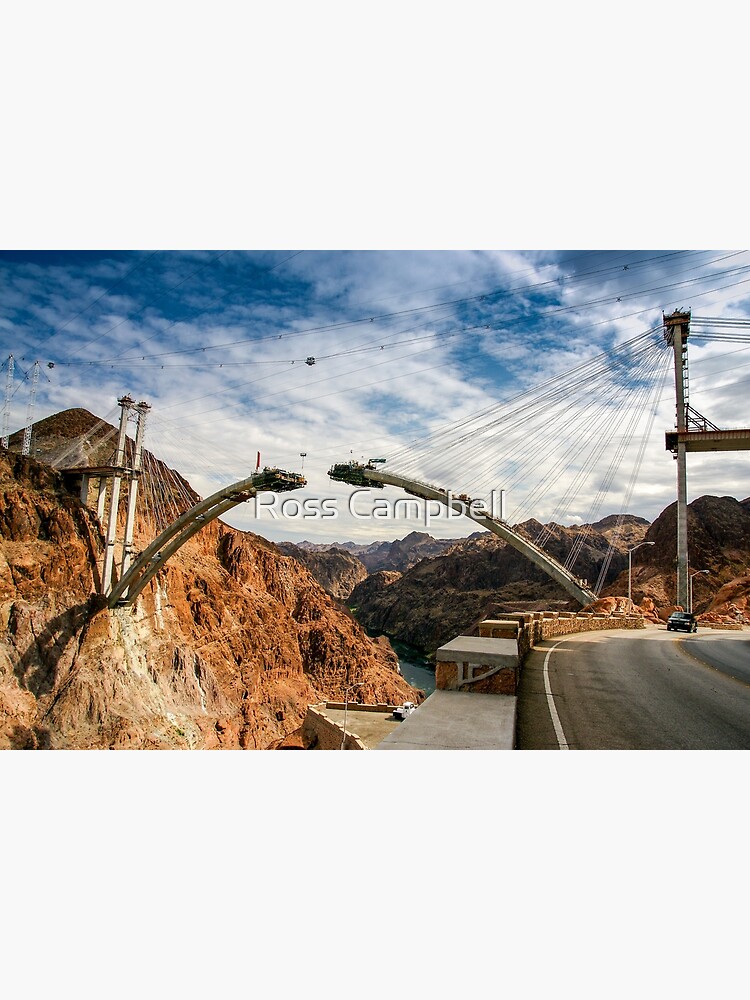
645,690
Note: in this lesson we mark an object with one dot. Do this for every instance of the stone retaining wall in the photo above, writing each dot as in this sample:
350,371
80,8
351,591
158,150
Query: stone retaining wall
535,626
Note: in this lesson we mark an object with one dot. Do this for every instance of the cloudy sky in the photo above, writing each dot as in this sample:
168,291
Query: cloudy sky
313,357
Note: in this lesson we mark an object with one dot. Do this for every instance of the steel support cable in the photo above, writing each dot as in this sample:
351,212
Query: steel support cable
106,292
373,345
153,492
533,392
623,397
240,385
566,389
521,438
496,413
531,440
733,272
193,459
223,295
151,496
180,440
701,379
127,318
651,404
470,424
170,497
591,449
606,482
634,476
604,570
338,375
536,494
739,321
618,456
523,447
451,303
171,288
70,447
721,338
574,279
542,408
328,378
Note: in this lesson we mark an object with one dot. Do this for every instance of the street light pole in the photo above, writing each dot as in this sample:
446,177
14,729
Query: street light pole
690,587
346,705
630,572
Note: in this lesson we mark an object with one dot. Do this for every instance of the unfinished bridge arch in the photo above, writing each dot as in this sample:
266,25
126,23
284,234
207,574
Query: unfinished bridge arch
148,563
357,474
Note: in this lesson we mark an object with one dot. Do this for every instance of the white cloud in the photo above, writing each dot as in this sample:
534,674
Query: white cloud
358,400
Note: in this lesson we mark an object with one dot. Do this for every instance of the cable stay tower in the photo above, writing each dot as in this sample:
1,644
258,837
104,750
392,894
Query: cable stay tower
693,432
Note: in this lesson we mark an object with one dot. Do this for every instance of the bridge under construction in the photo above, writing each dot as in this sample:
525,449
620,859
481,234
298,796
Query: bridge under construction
573,432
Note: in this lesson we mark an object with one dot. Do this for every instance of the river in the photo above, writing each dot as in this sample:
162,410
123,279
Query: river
415,667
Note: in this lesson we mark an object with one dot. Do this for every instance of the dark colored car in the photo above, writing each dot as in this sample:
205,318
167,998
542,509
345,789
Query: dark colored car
681,621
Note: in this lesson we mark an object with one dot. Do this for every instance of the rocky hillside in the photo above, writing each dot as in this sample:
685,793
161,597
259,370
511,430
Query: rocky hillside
337,571
224,649
480,577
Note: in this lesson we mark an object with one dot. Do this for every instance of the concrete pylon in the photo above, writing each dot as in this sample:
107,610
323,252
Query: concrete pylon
676,330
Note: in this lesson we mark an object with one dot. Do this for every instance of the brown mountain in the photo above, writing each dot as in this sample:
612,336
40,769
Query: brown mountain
226,647
398,555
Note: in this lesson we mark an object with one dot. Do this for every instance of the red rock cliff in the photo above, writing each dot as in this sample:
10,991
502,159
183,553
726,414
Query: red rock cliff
225,648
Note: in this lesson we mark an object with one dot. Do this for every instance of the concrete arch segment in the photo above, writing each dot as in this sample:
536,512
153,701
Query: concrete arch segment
188,524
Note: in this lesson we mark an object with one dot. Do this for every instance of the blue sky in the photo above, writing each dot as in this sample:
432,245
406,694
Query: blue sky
404,342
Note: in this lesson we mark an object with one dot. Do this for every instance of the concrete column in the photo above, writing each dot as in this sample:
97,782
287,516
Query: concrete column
114,499
127,547
101,498
678,325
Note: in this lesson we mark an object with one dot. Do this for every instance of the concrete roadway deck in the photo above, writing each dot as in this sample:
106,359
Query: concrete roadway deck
457,720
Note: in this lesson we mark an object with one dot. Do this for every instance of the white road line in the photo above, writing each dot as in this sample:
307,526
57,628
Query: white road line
562,742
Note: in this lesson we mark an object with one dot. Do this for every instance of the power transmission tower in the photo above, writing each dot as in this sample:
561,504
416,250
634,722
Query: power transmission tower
30,411
8,394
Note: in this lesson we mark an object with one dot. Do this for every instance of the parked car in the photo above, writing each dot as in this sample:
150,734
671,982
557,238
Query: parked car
403,710
681,621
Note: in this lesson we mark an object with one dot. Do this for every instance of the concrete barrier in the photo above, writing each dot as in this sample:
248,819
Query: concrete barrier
321,733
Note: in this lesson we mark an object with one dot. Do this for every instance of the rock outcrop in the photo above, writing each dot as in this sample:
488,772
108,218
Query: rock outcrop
336,570
718,541
731,603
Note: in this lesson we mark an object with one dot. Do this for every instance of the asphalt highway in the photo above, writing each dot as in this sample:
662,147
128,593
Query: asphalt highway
642,690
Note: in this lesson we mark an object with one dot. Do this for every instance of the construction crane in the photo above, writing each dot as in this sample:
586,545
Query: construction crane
8,394
30,411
